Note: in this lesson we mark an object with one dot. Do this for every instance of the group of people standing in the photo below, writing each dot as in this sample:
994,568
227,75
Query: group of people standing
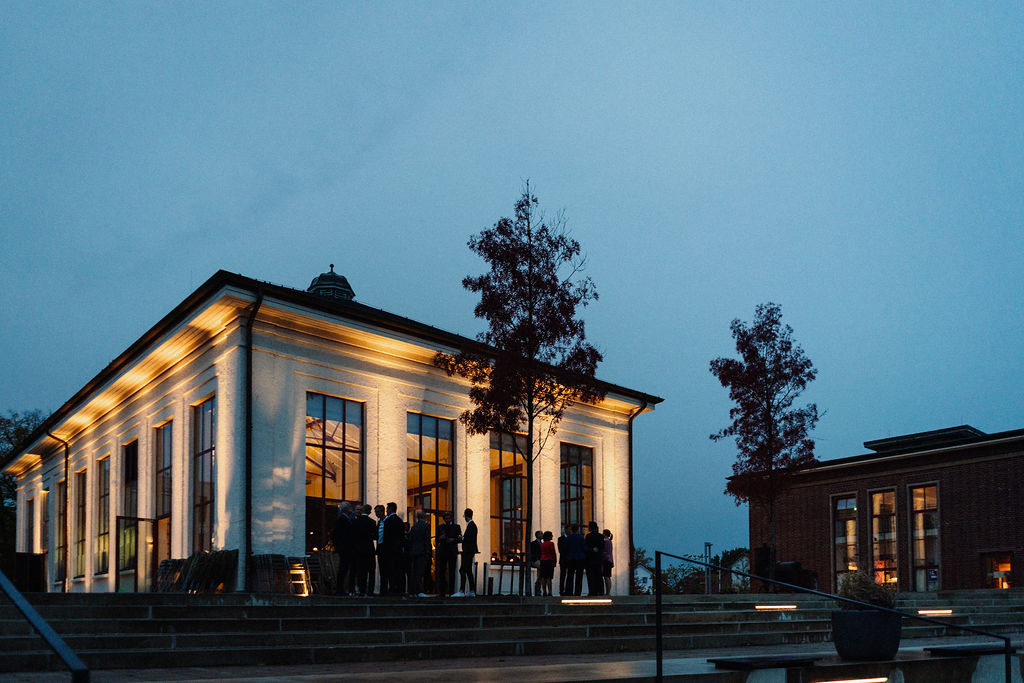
577,554
402,552
404,555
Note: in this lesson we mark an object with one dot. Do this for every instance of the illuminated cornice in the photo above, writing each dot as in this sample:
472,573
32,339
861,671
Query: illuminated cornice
127,376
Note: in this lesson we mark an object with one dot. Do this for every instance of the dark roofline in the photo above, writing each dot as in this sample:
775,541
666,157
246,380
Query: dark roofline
883,455
948,436
222,278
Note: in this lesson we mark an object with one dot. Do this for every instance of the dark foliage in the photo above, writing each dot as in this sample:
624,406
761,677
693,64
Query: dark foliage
14,428
534,361
772,437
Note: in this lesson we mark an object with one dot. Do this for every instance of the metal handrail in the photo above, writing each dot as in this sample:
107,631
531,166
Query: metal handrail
79,671
1007,651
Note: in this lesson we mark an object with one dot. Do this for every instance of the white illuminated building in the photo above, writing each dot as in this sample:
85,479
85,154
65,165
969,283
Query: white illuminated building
247,414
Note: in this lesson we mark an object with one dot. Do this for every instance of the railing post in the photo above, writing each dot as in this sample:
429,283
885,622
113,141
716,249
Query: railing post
79,671
1006,658
657,612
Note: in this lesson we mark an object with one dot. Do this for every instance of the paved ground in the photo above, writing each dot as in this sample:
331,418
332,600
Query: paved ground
533,669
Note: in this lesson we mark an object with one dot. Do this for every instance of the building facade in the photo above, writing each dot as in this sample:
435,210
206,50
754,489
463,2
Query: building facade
245,416
929,511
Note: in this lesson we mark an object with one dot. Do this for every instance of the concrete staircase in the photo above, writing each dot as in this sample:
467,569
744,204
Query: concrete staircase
142,631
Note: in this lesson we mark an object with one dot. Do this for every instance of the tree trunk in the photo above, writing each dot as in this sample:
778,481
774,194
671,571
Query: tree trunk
771,542
528,527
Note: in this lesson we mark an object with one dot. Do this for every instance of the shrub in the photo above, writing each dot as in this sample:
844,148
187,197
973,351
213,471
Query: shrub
861,586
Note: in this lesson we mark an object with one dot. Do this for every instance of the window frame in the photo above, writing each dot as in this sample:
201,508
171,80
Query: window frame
572,458
912,540
101,546
995,579
163,489
876,572
505,515
30,525
60,560
837,572
322,506
163,461
127,535
81,490
204,463
436,510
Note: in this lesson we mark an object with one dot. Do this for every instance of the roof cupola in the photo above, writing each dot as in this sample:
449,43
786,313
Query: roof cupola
332,286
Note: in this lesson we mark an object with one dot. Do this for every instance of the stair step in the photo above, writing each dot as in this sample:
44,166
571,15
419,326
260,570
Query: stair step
156,631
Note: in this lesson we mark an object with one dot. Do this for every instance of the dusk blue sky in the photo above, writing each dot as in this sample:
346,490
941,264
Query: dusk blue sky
860,164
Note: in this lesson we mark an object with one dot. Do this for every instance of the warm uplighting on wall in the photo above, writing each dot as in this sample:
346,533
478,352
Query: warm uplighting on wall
774,607
586,601
934,612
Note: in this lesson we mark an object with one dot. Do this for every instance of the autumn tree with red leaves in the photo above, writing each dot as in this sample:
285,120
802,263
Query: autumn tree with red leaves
534,361
771,435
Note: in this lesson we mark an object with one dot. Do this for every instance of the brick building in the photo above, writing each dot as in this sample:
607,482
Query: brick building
930,511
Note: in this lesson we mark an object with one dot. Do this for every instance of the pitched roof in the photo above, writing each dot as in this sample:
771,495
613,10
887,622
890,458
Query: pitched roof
349,309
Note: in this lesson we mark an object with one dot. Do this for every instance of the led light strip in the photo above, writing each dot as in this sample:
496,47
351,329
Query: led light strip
587,601
774,607
934,612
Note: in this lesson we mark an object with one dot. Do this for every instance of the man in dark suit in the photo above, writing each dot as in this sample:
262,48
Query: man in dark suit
576,557
595,557
364,531
563,563
467,577
419,552
448,535
382,559
394,539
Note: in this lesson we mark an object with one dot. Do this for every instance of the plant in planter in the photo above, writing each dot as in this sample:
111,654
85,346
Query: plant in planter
860,633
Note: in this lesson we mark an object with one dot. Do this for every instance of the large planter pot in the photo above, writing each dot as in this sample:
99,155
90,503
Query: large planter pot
866,635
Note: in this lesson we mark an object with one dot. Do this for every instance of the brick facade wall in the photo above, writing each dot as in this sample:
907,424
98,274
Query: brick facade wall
981,510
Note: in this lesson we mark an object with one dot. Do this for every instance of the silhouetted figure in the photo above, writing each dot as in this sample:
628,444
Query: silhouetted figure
364,531
595,557
563,563
608,561
547,564
419,552
467,577
382,558
448,535
394,539
576,556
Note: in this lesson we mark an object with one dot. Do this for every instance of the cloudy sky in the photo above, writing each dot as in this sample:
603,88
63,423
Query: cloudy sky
860,164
